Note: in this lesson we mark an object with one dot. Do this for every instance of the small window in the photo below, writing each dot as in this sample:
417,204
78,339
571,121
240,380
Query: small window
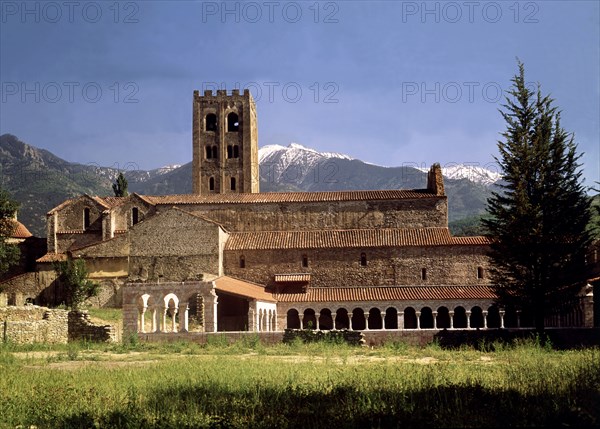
215,152
211,122
304,261
211,184
363,259
479,272
236,151
242,262
86,218
233,183
229,151
423,273
233,124
208,152
135,216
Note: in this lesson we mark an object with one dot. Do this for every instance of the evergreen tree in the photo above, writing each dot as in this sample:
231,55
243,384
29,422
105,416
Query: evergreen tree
72,275
120,188
9,253
538,223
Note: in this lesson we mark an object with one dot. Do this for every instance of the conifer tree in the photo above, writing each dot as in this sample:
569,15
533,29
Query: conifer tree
538,224
120,187
9,253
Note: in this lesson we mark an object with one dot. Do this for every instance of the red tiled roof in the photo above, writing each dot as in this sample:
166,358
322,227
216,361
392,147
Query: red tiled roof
243,288
20,230
289,278
388,293
273,240
288,197
52,257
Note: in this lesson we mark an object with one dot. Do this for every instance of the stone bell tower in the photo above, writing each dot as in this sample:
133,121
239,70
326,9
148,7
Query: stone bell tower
224,143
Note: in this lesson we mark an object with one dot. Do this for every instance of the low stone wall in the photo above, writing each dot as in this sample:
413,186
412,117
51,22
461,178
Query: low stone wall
33,324
217,337
355,338
82,328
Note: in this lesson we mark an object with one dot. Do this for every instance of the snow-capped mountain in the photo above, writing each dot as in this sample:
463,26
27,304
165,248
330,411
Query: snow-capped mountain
473,173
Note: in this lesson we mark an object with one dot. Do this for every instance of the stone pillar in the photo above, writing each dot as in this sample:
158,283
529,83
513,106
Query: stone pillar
350,321
366,321
211,300
275,320
251,318
485,314
434,314
163,322
502,312
259,320
142,327
451,314
173,323
333,316
184,314
301,317
468,312
418,314
401,320
383,314
317,317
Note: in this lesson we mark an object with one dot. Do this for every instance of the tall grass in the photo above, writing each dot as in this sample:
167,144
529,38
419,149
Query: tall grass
308,386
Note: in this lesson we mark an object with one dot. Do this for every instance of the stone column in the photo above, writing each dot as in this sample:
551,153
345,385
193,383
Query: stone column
451,314
383,314
173,323
434,314
366,321
485,314
259,317
400,318
251,318
142,326
468,312
350,321
184,312
268,314
275,320
301,317
163,322
418,314
333,316
317,317
501,312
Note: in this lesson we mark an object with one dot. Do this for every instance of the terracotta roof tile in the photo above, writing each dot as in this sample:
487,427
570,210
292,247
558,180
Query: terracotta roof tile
52,257
273,240
391,293
285,197
289,278
20,230
243,288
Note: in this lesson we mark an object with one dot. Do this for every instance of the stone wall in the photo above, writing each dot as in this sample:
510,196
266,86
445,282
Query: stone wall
33,324
82,328
456,265
38,288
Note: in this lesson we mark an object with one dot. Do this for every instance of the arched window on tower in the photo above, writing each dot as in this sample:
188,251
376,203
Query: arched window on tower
363,259
236,151
208,152
135,215
233,183
233,124
215,152
211,184
229,151
242,261
210,123
86,218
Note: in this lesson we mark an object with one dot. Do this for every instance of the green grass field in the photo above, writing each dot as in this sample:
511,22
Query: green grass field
184,385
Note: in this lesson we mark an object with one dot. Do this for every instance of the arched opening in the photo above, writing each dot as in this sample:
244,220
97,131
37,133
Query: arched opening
210,122
208,152
460,318
443,318
293,319
135,215
215,152
363,259
146,314
310,320
233,187
304,261
391,318
426,318
325,319
341,319
510,318
479,272
233,124
232,313
195,312
86,218
375,319
211,184
170,315
229,151
410,318
476,317
236,151
493,317
358,319
242,261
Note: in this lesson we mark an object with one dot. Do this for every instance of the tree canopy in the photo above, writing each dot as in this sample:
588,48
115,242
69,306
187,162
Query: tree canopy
73,276
9,253
120,187
539,221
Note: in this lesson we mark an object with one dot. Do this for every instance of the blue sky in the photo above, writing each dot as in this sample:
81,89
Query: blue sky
391,83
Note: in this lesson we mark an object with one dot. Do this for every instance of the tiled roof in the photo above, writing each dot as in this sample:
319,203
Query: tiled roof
273,240
52,257
388,293
20,230
71,231
292,278
243,288
289,197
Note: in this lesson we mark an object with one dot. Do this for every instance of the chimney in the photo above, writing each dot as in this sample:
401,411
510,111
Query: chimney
435,180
